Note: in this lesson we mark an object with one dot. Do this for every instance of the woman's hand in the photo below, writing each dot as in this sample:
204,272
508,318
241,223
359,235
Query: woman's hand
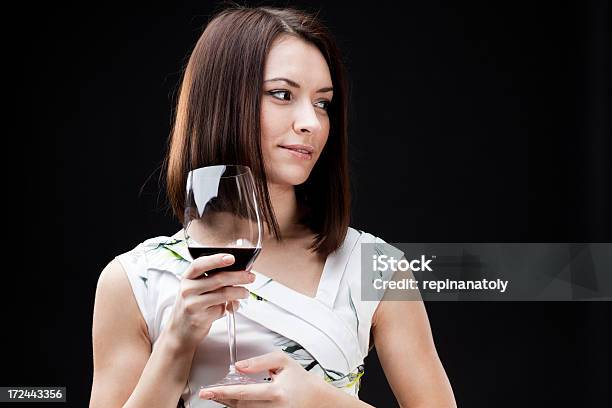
291,385
201,299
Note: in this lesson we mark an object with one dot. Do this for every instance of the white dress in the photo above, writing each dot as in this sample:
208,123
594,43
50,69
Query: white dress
328,334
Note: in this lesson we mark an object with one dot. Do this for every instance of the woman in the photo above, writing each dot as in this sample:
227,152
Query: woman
263,87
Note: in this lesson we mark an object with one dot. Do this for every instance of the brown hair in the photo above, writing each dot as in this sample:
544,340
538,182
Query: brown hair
218,116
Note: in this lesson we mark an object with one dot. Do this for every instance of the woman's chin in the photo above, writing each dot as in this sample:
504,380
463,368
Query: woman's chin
291,177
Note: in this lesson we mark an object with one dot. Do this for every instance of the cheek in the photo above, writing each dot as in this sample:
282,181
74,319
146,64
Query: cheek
274,122
325,132
273,127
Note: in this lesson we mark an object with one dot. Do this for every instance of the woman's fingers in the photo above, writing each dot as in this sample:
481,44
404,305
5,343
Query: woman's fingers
191,287
219,297
226,278
207,263
255,392
225,294
232,306
270,361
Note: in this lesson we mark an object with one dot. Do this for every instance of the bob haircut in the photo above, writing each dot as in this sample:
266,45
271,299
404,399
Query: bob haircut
218,116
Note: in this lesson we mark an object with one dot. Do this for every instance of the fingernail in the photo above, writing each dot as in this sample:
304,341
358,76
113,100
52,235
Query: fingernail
228,259
251,277
207,395
242,364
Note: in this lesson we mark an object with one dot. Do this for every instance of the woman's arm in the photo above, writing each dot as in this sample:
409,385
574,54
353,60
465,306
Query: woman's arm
407,353
126,372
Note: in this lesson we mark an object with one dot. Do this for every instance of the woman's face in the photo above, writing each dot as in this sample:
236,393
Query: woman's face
294,121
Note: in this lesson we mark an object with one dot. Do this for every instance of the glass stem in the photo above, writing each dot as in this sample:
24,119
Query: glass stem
231,329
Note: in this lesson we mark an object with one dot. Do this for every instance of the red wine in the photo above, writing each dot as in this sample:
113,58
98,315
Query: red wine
244,257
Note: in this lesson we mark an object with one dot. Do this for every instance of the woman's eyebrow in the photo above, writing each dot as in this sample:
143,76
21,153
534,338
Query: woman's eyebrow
296,85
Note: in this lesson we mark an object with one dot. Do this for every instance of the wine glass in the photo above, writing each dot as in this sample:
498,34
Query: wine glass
222,216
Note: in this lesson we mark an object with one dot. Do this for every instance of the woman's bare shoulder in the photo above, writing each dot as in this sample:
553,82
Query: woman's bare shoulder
114,296
113,284
113,275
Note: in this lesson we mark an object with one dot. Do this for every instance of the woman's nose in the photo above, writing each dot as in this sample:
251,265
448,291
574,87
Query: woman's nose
306,119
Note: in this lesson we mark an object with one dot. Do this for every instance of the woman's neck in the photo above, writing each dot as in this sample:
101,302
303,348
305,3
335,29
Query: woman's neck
286,210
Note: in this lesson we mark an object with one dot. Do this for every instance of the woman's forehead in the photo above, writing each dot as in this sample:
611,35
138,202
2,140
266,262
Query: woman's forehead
299,61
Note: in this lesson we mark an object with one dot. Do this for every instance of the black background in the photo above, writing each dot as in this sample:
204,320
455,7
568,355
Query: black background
469,122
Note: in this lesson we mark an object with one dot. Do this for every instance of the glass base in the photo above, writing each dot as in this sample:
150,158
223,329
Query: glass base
235,378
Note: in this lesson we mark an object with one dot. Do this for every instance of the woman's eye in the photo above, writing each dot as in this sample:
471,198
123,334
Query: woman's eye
280,92
325,105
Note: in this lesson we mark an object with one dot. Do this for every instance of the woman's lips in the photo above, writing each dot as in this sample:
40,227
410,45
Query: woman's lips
304,153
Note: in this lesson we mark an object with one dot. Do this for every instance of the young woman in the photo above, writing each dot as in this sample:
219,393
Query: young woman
265,88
